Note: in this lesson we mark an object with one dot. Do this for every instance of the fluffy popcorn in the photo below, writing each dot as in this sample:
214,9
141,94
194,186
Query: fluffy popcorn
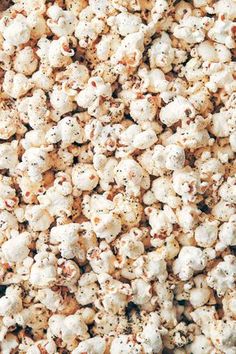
97,345
11,302
143,109
179,108
125,23
25,61
61,23
35,161
190,259
34,111
227,233
161,53
16,248
164,192
17,32
16,84
8,123
117,186
222,277
130,174
153,81
125,343
130,50
184,29
68,328
67,130
43,272
101,259
186,183
206,233
84,177
151,267
38,217
67,238
8,155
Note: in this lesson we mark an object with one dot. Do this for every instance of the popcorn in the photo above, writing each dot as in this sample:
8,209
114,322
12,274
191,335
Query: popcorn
43,272
16,85
161,54
67,238
190,259
84,177
8,155
61,23
35,161
25,61
125,23
222,277
185,29
17,32
143,109
130,174
68,327
117,185
11,302
206,233
126,344
179,108
16,248
97,345
38,217
67,130
130,50
151,267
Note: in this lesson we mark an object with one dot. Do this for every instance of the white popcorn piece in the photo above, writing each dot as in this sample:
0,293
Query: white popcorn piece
61,23
67,238
150,337
8,155
38,217
36,160
16,248
222,277
96,345
161,53
17,32
184,30
43,272
143,109
129,174
34,110
67,130
227,233
101,259
130,50
179,108
125,23
206,233
164,192
68,327
151,267
11,302
190,260
84,177
16,85
25,61
154,80
126,344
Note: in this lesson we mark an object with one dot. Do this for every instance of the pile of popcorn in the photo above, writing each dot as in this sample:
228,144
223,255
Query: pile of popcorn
117,177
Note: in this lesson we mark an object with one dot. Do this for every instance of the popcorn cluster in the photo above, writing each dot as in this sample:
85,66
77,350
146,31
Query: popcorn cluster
117,177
